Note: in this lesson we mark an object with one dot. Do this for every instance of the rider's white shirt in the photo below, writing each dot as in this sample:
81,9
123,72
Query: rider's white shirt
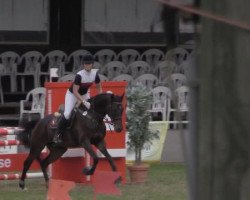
88,77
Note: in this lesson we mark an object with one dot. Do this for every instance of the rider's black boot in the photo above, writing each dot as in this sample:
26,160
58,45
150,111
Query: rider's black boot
62,125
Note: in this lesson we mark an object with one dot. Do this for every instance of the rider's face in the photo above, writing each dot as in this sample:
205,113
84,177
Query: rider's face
88,67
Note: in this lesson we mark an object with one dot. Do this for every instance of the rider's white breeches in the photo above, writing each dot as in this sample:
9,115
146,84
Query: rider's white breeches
70,101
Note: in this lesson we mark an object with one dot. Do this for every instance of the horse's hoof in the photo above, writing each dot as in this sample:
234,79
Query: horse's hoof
22,184
118,180
47,184
87,171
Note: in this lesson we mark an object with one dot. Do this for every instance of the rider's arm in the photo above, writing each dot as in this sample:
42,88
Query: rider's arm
98,84
99,88
76,86
76,93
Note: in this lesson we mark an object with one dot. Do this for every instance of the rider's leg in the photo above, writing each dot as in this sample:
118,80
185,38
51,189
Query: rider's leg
62,125
70,101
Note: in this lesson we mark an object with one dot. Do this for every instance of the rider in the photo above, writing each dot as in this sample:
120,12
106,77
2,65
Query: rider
78,92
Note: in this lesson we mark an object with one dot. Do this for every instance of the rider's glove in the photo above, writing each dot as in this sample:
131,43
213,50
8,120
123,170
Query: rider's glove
86,104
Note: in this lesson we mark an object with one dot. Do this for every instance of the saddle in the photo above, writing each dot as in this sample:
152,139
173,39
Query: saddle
88,117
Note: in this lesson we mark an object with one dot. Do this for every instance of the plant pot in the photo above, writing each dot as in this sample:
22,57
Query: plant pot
138,173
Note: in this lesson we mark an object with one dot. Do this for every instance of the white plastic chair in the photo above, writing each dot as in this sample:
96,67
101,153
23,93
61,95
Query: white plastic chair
176,80
188,45
67,78
124,77
53,59
128,56
182,94
164,69
161,102
148,80
103,77
9,61
185,67
153,57
35,99
138,68
104,56
32,62
177,55
114,68
182,105
75,61
97,65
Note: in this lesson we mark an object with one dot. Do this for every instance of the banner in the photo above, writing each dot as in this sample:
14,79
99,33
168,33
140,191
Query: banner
152,152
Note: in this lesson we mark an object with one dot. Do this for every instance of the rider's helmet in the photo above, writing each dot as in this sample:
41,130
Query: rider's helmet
88,59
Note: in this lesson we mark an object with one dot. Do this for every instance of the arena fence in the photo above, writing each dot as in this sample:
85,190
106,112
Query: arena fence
11,161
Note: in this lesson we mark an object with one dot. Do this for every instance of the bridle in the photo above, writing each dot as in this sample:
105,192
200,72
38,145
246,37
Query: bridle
110,108
111,122
113,110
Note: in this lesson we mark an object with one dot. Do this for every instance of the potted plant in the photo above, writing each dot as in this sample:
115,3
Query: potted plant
139,99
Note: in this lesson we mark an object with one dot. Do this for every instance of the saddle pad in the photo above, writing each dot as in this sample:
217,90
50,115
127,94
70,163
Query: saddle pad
54,121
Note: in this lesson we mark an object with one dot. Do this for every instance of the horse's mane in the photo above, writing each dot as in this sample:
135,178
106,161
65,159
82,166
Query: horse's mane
104,99
101,95
101,98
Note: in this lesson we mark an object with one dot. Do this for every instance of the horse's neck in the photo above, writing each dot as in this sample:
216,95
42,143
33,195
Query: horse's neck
100,113
101,106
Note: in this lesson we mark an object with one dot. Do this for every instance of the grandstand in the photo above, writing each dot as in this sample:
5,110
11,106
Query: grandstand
52,40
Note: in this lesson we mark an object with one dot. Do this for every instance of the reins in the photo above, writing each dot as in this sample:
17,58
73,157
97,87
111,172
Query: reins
117,118
109,122
100,117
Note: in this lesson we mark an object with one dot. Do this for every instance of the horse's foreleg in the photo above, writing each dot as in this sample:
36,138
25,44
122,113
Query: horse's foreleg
90,170
102,147
26,165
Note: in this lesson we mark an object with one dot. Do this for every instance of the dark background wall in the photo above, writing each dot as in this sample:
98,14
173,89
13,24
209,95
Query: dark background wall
65,32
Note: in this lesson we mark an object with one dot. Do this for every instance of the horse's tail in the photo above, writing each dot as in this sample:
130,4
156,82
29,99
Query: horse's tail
24,135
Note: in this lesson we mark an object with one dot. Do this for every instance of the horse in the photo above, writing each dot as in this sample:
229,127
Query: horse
87,128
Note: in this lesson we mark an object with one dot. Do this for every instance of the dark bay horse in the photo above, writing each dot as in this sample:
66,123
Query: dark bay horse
86,129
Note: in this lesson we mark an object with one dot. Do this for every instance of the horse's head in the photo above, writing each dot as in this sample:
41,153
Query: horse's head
115,110
111,105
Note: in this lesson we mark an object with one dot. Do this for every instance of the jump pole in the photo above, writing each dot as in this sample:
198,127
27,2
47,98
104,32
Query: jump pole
9,130
10,162
17,176
9,143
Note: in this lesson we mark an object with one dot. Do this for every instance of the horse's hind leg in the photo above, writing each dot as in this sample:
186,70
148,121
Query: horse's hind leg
44,170
26,165
54,154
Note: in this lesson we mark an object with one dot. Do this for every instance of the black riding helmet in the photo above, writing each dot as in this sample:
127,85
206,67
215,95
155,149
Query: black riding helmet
88,59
